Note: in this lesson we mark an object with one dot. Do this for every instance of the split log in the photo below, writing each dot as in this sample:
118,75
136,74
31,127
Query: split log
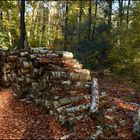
95,96
136,125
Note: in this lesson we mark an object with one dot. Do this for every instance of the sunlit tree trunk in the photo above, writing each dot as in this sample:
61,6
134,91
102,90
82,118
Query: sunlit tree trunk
66,26
35,20
79,20
49,22
8,30
32,24
89,20
127,18
43,25
95,18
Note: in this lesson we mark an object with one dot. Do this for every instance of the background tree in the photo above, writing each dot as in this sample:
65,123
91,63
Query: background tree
79,20
95,18
66,25
89,20
44,20
127,17
110,12
22,25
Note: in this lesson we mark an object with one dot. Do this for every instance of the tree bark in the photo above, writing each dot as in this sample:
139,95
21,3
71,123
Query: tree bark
35,20
127,18
22,24
95,18
79,20
37,26
43,25
32,25
8,30
120,11
26,41
89,20
110,13
1,18
49,22
66,26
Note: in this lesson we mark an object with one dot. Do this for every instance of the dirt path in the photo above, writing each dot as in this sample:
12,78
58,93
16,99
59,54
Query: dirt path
19,120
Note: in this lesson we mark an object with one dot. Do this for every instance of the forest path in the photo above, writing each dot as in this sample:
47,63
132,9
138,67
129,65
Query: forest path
118,103
20,120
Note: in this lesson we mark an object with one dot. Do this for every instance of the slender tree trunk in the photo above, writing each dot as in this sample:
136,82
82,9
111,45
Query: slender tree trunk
49,22
127,18
35,21
120,2
89,20
8,30
32,25
95,18
22,24
43,25
1,18
120,11
37,26
10,38
26,41
66,26
79,20
110,13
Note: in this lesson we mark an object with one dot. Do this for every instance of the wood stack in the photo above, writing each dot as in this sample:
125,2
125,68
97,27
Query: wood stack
4,69
53,79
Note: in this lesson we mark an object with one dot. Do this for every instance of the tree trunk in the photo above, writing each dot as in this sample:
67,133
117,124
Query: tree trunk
66,26
22,24
43,25
95,18
26,41
37,26
8,30
1,18
35,21
32,25
127,18
120,11
49,23
10,38
89,20
110,12
79,20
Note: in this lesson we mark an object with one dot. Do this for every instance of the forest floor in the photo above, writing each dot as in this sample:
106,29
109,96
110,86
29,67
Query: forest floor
118,103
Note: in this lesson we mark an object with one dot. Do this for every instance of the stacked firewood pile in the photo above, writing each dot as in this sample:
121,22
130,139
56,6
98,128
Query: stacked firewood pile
4,69
1,65
54,80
